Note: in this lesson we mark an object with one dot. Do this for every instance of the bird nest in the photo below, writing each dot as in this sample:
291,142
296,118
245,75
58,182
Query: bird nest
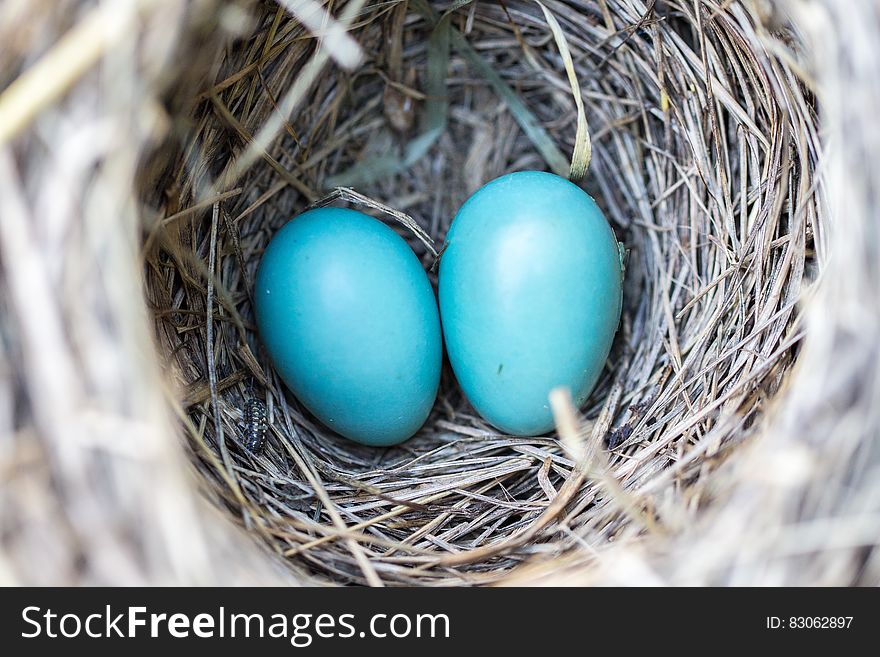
706,159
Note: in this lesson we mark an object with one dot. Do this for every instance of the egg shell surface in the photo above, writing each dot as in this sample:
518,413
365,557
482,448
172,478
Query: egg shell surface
350,322
530,289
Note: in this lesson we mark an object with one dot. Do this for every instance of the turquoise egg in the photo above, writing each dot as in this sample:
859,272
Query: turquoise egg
349,319
530,297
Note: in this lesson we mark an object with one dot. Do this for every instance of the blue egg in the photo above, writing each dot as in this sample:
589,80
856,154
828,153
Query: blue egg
349,319
530,297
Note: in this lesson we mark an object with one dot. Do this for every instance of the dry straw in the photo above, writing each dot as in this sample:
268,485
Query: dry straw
149,150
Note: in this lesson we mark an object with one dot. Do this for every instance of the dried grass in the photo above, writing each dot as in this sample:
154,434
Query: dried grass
713,451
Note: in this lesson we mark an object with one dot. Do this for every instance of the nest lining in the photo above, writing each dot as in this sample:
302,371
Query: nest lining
704,152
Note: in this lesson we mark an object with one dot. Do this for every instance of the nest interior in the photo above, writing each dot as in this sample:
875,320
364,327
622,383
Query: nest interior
704,145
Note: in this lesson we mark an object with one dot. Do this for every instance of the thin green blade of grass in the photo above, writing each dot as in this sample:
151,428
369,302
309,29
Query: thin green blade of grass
583,147
433,122
458,4
526,119
436,114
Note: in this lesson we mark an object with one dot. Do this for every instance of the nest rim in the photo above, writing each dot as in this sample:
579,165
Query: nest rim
337,512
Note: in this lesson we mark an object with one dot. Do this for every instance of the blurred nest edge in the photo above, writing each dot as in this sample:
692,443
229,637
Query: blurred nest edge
149,150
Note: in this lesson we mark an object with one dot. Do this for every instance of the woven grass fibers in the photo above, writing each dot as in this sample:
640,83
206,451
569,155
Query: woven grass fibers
732,438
